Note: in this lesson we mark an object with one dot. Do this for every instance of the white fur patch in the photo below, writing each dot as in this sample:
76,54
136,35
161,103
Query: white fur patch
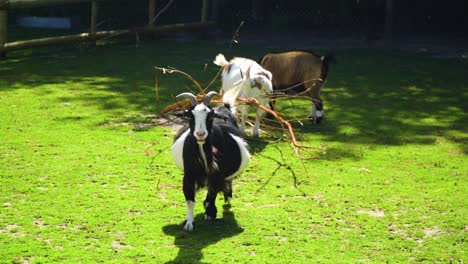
236,83
319,113
202,154
220,60
245,155
178,150
200,113
190,219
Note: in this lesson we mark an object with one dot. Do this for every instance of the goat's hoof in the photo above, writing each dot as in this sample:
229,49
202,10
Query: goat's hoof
315,120
188,226
209,217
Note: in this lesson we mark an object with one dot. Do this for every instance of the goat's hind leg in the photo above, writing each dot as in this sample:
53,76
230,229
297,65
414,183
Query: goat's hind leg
227,192
316,113
210,205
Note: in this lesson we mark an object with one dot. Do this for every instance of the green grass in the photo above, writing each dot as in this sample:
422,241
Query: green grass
80,183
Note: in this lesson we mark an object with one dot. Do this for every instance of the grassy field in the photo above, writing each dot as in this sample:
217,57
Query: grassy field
85,179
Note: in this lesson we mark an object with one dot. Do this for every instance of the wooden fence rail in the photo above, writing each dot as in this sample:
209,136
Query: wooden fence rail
93,34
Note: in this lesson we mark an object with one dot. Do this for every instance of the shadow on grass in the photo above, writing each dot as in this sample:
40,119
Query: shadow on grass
386,98
371,97
256,145
205,233
280,163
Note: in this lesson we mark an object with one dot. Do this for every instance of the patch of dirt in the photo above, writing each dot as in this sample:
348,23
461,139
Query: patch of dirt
119,246
433,232
373,213
170,122
12,230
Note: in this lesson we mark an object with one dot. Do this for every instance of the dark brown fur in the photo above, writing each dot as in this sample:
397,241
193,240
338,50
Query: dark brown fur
297,71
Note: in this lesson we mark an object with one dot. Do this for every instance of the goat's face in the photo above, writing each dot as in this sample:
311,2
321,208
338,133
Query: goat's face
257,77
200,116
201,122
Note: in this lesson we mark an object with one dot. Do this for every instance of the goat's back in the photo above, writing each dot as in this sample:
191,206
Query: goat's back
234,72
294,67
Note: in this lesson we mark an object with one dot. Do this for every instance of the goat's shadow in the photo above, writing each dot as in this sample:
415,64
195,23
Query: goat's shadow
205,233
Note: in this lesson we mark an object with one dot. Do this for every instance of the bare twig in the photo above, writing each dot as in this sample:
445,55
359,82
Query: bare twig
235,36
161,11
214,79
174,70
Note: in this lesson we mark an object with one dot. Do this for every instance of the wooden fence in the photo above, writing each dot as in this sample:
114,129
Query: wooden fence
93,34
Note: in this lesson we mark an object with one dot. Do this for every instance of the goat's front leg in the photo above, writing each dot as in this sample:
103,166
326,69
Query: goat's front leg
210,204
189,193
243,110
258,118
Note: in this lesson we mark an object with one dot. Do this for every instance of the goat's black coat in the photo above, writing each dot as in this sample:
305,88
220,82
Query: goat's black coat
223,157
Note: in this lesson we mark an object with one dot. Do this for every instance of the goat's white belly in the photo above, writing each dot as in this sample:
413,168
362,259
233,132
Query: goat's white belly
245,155
178,150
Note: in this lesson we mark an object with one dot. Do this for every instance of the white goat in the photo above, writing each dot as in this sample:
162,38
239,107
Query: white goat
245,78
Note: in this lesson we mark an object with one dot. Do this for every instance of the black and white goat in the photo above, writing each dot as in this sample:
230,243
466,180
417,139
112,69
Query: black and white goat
300,71
211,152
245,78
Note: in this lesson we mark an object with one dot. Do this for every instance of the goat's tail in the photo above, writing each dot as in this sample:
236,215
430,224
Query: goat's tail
220,60
329,58
230,96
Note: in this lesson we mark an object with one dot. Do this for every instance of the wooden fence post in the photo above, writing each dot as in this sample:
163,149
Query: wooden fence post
94,14
215,5
204,16
151,12
3,31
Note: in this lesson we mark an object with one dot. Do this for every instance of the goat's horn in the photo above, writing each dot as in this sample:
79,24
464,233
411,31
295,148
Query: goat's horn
247,74
191,97
208,96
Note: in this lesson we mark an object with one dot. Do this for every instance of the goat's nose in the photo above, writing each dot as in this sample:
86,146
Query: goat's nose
200,134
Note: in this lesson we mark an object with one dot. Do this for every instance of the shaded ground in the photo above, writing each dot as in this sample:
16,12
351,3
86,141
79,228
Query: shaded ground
436,45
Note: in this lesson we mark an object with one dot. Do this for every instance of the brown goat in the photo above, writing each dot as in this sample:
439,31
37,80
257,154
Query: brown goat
297,72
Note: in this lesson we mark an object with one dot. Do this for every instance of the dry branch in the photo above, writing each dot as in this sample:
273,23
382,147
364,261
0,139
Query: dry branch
174,70
185,104
153,19
297,148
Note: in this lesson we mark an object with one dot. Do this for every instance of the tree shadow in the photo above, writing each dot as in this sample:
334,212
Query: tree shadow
372,97
281,163
205,233
388,98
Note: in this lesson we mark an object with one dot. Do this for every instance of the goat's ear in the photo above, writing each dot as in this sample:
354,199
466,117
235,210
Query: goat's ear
181,113
268,74
221,116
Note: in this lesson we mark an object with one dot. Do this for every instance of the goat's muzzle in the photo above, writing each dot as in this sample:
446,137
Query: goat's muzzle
200,136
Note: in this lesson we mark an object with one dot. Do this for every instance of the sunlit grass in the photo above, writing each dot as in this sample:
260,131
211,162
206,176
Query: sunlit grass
82,182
